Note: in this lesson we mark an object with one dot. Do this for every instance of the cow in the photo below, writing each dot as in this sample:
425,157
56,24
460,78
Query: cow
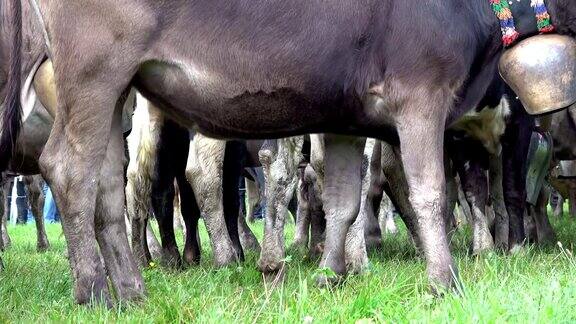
494,137
395,70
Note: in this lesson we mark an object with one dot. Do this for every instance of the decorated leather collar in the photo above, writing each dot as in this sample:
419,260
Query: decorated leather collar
521,18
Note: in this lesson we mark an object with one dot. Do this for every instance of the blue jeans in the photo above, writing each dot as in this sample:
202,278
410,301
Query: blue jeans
50,210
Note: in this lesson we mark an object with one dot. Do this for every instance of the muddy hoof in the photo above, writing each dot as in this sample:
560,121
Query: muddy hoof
270,266
373,242
42,247
191,259
477,251
328,281
93,294
171,260
298,248
316,251
274,278
547,239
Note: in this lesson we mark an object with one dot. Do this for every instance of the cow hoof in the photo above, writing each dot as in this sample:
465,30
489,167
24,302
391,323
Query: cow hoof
324,281
93,294
479,250
274,278
547,239
516,248
267,266
191,258
298,248
224,259
373,242
42,247
171,259
316,251
357,264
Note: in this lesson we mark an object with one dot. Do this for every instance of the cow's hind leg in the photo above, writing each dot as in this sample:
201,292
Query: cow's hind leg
341,195
71,164
421,133
110,222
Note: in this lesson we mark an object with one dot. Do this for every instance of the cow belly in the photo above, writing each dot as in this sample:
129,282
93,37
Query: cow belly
197,99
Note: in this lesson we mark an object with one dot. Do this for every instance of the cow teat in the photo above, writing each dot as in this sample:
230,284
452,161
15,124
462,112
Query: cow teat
542,72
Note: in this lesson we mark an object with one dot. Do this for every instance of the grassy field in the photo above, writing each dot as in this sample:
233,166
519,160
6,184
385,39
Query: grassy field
535,285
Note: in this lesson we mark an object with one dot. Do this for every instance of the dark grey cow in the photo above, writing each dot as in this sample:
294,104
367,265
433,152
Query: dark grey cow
395,70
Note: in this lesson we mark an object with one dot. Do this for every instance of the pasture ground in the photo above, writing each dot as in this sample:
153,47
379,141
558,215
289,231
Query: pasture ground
535,285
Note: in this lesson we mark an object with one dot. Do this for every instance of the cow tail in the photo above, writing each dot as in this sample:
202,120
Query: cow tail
12,114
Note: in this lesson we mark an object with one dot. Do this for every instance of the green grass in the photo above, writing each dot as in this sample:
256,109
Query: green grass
536,285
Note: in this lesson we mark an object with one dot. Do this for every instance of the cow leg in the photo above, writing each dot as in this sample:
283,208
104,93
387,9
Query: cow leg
544,231
387,216
2,213
451,198
137,213
72,163
4,224
421,133
110,219
302,230
253,193
162,204
497,196
572,200
33,185
247,237
152,243
356,254
232,169
317,221
204,173
312,209
515,144
191,215
343,158
556,202
463,203
279,160
474,184
173,147
397,190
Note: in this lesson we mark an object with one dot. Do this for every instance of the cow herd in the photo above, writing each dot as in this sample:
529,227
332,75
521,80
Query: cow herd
349,105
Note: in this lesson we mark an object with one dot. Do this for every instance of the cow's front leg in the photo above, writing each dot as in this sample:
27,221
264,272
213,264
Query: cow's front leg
342,188
421,133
